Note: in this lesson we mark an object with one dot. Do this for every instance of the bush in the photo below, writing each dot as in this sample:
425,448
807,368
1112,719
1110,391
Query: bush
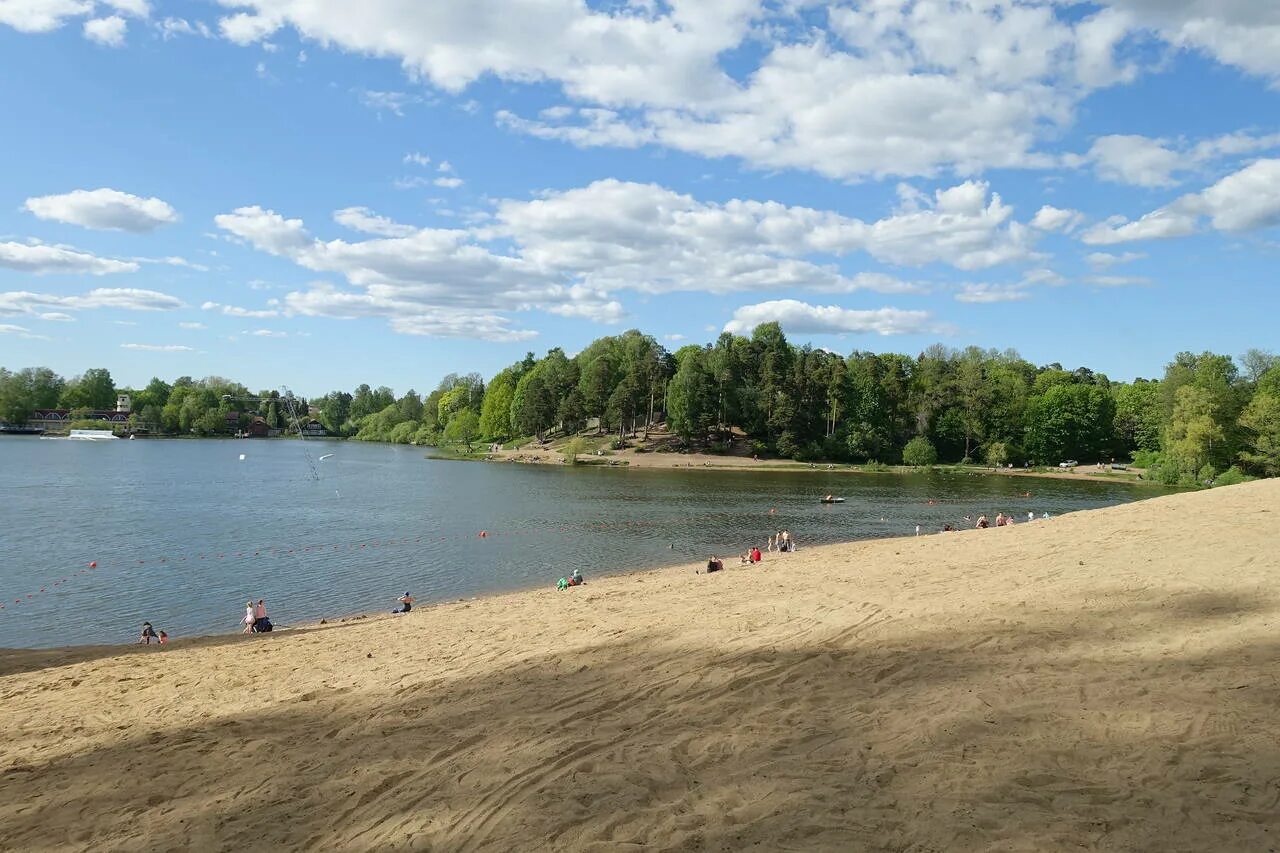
919,452
1207,475
1232,476
878,467
759,448
718,447
1146,459
788,446
571,450
998,454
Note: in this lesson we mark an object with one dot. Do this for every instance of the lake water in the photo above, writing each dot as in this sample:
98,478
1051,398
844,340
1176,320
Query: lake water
184,531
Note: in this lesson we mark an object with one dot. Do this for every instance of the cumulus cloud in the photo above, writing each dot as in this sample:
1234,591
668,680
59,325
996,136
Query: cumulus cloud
801,318
1242,201
877,89
104,209
1241,33
1118,280
193,326
366,221
236,311
1104,260
22,302
158,347
987,293
266,333
41,16
43,258
108,32
571,252
1050,218
1147,162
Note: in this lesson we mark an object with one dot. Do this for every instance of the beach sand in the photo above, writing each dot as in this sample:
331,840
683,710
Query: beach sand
1104,680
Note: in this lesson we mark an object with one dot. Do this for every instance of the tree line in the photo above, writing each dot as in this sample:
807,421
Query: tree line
1206,419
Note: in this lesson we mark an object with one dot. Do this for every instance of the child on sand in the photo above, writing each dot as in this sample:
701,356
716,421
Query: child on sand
714,564
164,638
249,618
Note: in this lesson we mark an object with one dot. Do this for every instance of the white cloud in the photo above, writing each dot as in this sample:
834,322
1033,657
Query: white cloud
236,311
266,333
448,183
417,159
802,318
1242,201
673,338
387,102
1104,260
56,317
41,16
192,326
173,27
570,252
43,258
21,332
1118,280
366,221
22,302
1242,33
1136,160
108,32
104,209
158,347
1050,218
880,89
987,293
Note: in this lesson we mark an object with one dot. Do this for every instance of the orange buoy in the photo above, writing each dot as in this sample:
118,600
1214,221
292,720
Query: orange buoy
94,564
484,533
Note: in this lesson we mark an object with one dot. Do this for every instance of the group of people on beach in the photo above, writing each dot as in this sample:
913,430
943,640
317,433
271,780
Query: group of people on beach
781,542
255,619
1002,520
149,634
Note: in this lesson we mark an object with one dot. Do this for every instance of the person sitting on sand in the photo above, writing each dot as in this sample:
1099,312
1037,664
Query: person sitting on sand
745,559
147,633
982,524
248,619
714,564
947,528
755,555
576,578
407,601
1000,522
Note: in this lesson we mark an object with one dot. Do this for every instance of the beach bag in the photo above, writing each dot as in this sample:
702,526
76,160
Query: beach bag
264,625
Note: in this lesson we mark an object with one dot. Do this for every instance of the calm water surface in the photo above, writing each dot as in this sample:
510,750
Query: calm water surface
184,532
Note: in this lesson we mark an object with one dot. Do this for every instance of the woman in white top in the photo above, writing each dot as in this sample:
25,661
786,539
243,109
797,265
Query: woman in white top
249,618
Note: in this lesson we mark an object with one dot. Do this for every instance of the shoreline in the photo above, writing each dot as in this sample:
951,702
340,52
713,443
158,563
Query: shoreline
709,461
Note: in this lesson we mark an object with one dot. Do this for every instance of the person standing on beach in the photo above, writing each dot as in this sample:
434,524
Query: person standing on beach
147,633
259,613
248,619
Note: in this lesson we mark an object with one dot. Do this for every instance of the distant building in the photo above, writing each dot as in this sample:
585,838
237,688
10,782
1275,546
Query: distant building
313,429
123,403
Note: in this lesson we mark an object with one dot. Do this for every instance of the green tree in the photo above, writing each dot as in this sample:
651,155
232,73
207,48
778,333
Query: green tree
1194,429
1261,422
94,389
463,428
919,452
691,398
495,412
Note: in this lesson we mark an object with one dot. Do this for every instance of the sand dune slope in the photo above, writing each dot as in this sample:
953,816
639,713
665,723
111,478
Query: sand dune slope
1106,680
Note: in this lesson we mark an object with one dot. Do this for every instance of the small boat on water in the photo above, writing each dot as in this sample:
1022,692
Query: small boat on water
831,500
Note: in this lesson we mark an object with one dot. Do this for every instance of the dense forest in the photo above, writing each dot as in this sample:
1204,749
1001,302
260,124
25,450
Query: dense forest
1207,419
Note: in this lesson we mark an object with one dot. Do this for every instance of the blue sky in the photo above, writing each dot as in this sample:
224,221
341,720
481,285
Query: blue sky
324,193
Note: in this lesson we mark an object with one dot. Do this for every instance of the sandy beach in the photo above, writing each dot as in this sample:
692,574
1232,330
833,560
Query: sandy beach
1105,680
533,454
